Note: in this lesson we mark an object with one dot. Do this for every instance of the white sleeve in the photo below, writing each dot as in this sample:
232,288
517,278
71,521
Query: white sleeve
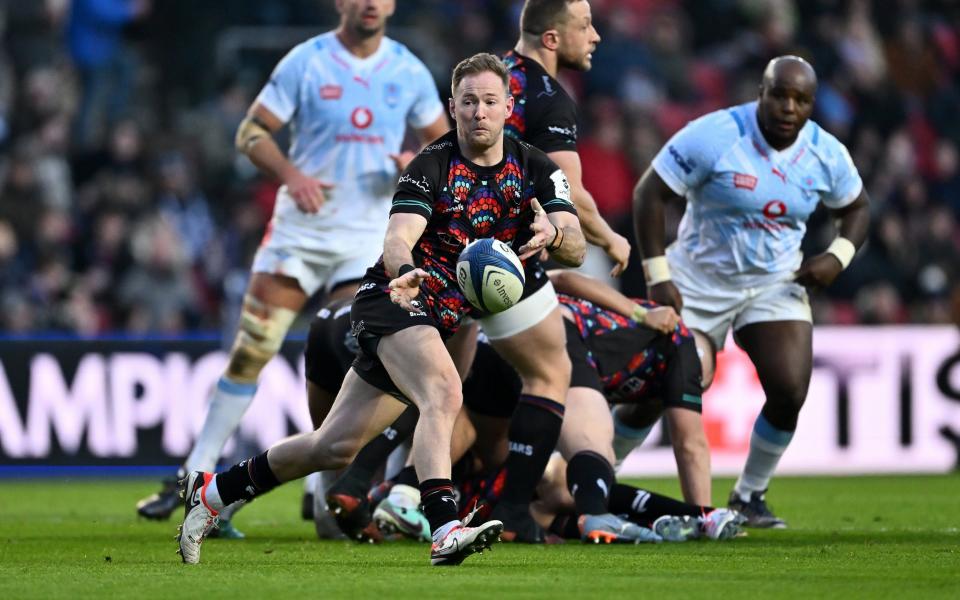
426,106
845,182
281,94
687,159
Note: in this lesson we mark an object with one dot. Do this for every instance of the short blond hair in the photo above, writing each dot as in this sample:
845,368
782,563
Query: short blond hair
479,63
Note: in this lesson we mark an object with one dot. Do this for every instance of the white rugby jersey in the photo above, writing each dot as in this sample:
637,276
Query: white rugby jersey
747,203
346,116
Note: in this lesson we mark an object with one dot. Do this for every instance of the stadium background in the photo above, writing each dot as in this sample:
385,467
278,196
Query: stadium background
128,221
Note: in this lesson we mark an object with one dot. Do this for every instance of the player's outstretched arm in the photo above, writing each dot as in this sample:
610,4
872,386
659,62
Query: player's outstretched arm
650,196
255,139
596,230
692,453
854,220
663,319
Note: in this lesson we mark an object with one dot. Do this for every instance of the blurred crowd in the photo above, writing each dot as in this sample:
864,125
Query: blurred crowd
123,206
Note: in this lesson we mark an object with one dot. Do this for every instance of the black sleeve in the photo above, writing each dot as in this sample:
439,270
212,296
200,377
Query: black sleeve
417,185
550,185
552,118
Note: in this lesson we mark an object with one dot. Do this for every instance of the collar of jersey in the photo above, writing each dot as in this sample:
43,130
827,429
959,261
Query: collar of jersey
480,168
352,59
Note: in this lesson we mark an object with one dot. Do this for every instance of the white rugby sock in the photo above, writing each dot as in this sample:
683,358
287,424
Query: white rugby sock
227,404
767,445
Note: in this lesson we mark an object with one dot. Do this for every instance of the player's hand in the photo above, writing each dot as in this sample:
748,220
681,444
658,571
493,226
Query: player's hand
619,253
404,289
544,231
403,159
662,318
666,294
307,192
818,271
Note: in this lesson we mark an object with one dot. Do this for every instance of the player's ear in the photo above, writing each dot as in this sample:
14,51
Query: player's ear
451,104
550,39
509,104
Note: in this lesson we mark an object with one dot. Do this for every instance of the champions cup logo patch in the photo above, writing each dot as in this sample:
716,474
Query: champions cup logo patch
744,181
330,92
391,95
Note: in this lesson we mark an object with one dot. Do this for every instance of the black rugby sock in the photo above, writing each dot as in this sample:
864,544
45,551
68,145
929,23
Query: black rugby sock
565,526
644,507
407,476
438,502
358,478
590,478
533,435
246,480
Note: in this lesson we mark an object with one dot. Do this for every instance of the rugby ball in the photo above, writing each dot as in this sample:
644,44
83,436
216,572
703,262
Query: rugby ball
490,275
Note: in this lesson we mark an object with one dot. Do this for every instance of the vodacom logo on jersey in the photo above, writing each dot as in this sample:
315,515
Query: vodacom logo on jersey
774,209
361,117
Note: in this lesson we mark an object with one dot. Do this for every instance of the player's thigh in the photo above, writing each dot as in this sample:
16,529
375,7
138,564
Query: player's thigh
359,413
420,366
782,352
587,424
462,347
776,330
539,356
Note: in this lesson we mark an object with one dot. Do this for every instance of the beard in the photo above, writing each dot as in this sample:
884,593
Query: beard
573,62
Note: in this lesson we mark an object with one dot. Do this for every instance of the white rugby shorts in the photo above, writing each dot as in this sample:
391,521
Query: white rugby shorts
714,308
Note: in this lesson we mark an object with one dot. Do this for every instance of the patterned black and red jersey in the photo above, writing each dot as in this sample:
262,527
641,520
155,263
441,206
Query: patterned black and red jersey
463,201
631,363
544,115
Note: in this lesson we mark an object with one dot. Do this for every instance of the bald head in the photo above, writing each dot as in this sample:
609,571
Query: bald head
790,68
787,93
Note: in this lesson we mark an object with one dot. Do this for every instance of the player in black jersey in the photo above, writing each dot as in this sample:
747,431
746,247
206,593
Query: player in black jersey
468,184
558,34
555,34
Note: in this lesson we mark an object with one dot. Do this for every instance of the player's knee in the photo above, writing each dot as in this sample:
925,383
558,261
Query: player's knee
261,333
330,455
788,394
443,398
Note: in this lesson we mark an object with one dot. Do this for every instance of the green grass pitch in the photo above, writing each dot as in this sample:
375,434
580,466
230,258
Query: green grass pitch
864,537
